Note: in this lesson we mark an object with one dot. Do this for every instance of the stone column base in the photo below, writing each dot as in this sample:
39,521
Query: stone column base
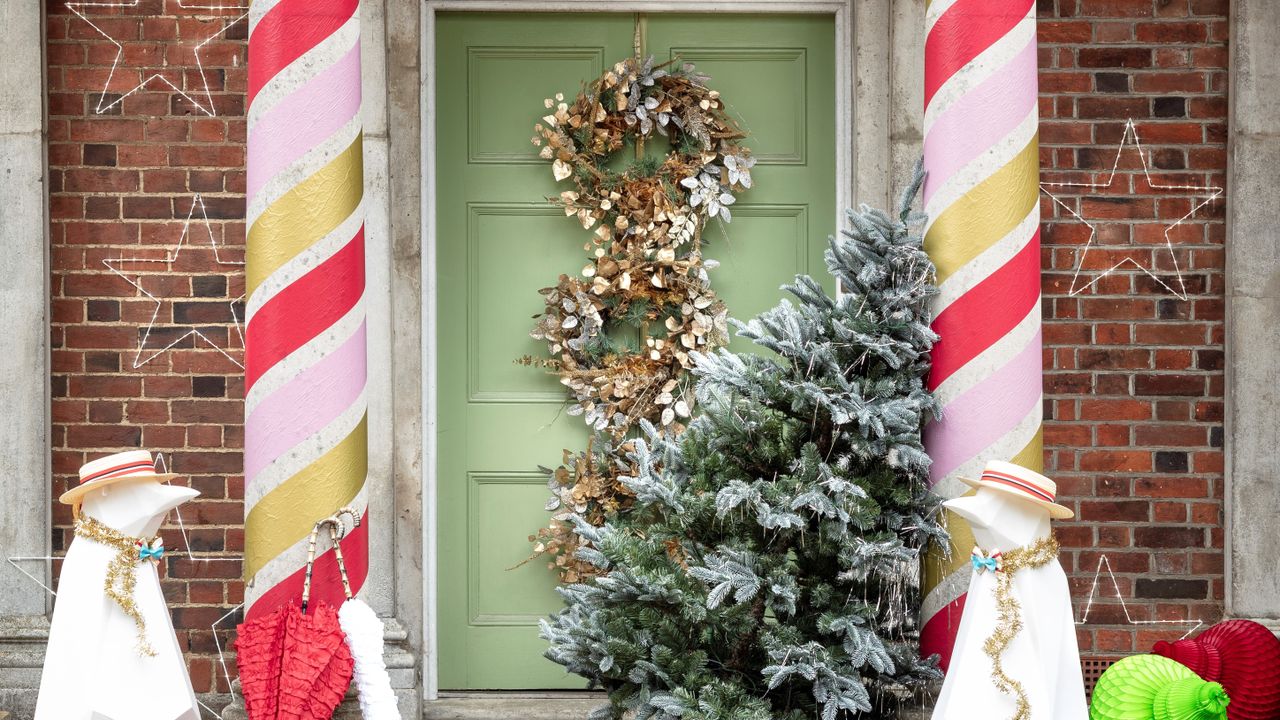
22,642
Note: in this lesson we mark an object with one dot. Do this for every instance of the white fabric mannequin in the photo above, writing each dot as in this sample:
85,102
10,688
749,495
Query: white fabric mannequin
1044,657
92,670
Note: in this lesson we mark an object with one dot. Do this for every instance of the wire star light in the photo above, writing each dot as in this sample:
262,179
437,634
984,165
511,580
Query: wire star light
1105,564
1204,194
213,627
207,107
113,264
162,467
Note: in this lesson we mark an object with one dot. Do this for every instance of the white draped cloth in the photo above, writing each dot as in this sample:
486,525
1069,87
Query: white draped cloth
1043,657
92,668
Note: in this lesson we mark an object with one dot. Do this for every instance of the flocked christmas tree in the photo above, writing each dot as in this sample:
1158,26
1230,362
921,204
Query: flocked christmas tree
770,567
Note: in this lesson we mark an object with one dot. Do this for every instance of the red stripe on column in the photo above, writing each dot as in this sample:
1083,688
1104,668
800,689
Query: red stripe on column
1001,300
325,583
962,33
289,30
305,308
939,634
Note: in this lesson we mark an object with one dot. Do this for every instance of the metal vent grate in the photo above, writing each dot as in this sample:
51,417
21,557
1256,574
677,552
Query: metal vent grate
1092,668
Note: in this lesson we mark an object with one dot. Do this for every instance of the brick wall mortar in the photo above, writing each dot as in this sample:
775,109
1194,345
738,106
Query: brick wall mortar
1133,381
1134,375
122,184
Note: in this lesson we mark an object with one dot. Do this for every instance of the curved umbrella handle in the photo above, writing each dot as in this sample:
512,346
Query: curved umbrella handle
350,512
311,559
336,532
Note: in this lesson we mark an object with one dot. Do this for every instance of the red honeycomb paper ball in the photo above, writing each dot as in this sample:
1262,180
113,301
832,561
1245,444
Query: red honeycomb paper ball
1242,655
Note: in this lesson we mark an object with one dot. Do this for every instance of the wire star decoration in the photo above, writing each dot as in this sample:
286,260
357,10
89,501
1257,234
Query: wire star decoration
1203,194
1104,565
114,265
206,107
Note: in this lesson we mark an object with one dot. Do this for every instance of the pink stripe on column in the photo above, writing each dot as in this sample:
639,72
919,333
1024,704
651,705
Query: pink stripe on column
980,119
325,389
985,412
303,119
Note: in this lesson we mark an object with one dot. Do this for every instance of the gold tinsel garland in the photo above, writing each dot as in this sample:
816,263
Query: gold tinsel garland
645,272
121,577
1009,624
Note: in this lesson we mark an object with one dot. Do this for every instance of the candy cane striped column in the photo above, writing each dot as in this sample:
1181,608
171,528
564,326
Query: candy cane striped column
983,233
305,410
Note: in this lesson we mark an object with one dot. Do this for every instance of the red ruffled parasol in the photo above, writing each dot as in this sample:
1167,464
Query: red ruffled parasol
294,665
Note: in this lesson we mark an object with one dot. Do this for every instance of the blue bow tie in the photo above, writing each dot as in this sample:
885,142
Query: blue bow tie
153,550
983,562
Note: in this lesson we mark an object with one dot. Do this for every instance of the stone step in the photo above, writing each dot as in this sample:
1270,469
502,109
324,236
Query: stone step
540,706
507,706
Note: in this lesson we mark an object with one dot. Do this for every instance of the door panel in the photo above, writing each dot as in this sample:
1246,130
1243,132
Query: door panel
776,75
505,242
498,241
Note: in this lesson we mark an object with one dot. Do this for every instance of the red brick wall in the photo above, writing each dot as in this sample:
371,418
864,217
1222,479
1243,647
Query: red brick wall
1134,378
122,184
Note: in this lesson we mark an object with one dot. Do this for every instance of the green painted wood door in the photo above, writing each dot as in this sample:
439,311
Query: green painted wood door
498,241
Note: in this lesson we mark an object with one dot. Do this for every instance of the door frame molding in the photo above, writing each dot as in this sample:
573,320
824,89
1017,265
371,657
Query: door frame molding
863,161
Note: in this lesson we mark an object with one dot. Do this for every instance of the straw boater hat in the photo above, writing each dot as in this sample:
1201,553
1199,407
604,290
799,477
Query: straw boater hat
131,466
1023,484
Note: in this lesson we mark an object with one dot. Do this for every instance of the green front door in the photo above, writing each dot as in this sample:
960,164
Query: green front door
498,241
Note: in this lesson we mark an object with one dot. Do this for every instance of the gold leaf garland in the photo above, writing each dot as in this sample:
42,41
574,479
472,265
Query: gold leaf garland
121,577
645,272
1009,616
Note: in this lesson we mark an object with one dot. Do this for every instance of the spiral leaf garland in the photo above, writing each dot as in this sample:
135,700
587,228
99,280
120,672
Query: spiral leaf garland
645,273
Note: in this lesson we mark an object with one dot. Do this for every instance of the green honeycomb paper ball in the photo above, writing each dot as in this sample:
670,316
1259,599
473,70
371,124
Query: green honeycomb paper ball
1191,699
1150,687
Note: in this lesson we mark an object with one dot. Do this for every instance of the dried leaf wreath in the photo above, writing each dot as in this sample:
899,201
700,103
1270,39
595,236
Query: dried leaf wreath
620,332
